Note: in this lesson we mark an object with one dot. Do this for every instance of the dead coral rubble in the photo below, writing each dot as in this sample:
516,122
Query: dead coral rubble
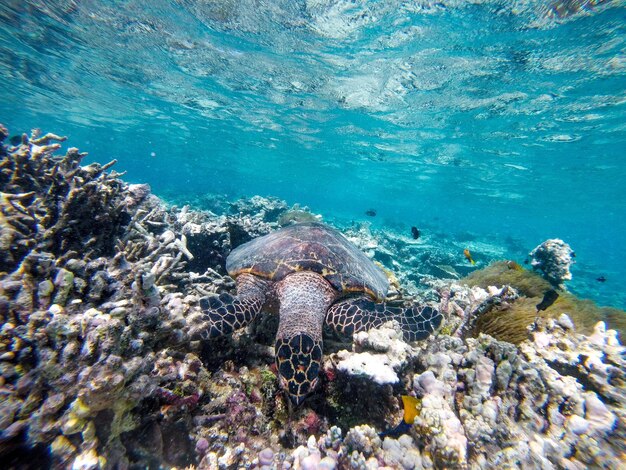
540,405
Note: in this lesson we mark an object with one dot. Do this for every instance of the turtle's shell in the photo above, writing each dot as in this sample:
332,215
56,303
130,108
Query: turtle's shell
310,247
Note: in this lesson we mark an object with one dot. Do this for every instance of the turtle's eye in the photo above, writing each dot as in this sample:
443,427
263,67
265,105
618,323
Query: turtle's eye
298,360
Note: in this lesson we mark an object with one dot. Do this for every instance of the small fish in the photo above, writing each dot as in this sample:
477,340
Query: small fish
549,298
415,232
410,413
513,265
410,408
601,279
370,212
15,140
468,255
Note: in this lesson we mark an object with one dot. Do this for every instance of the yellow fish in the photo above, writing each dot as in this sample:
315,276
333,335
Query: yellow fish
468,255
411,405
410,408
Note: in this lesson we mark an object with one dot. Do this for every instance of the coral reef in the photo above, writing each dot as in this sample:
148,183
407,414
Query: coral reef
297,215
553,258
519,397
98,279
508,321
556,401
87,297
379,354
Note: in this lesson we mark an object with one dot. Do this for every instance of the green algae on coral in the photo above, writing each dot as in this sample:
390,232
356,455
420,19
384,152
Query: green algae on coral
616,319
268,378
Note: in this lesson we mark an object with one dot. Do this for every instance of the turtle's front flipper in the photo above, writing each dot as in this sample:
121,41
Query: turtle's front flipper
353,315
222,314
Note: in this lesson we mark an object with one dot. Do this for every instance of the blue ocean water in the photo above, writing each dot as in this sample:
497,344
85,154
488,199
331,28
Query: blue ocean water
501,121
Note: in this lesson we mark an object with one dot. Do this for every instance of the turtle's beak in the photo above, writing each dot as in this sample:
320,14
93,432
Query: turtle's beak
297,399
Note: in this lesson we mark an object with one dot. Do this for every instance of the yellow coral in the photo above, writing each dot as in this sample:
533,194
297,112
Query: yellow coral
445,330
72,425
62,446
80,408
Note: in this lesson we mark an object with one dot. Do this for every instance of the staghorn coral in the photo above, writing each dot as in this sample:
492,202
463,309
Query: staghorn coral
94,290
55,205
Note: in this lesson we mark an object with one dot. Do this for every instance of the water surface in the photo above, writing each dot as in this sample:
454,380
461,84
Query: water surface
490,120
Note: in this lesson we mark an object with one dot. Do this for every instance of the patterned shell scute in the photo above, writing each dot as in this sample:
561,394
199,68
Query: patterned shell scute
310,247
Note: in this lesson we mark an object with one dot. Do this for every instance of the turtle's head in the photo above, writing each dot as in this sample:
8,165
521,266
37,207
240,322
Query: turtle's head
298,360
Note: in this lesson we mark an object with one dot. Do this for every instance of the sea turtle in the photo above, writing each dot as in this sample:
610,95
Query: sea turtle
313,274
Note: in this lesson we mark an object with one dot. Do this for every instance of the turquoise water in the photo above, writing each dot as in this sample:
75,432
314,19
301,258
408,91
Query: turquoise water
490,120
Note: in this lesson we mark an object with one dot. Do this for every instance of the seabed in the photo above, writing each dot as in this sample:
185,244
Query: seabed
98,279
